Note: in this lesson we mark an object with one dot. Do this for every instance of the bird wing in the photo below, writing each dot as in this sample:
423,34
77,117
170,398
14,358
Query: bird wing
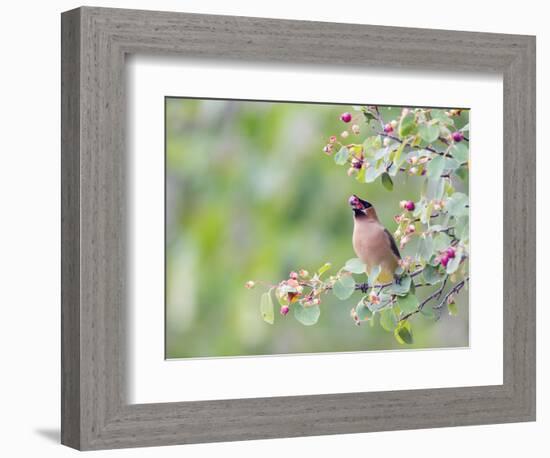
392,243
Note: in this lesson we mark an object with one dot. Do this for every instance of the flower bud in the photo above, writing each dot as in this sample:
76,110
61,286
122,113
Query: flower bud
407,205
303,273
388,128
345,117
293,275
327,149
458,136
374,298
284,310
404,241
355,129
393,123
413,171
410,229
249,284
344,134
450,252
444,260
332,139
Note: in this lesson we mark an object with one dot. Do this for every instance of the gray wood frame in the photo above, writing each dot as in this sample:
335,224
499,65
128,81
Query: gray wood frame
95,41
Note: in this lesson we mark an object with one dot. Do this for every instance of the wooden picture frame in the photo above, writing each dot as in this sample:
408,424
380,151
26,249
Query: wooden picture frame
95,411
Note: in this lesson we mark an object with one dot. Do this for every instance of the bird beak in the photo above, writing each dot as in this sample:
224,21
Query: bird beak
358,204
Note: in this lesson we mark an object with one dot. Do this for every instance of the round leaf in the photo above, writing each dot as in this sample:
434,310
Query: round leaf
344,287
429,133
266,308
407,304
355,265
308,316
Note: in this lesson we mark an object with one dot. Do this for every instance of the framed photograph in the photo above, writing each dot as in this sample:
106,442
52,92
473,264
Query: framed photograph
278,228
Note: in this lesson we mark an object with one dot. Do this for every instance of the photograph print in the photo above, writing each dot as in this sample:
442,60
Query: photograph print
299,228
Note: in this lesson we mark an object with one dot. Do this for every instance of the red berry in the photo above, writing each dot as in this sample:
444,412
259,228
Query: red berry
450,252
445,260
409,205
284,310
388,128
458,136
346,117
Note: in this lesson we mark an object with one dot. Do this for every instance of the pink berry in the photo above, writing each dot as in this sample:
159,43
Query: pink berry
458,136
409,205
346,117
445,260
284,310
450,252
388,128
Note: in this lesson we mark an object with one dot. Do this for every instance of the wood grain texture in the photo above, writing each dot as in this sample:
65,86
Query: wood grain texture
96,414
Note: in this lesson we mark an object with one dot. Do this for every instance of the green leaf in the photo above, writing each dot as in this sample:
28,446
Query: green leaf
435,188
426,212
306,315
360,177
326,266
407,125
441,241
462,228
401,286
371,174
381,153
460,151
403,333
371,145
428,312
266,308
387,319
432,275
342,156
373,274
408,303
429,133
355,265
462,173
456,205
363,312
387,182
344,287
436,166
425,247
441,117
399,158
453,264
453,309
451,164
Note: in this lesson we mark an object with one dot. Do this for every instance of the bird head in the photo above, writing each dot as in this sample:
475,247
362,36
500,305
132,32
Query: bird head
358,205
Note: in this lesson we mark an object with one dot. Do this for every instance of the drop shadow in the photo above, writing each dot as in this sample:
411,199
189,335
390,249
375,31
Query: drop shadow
53,435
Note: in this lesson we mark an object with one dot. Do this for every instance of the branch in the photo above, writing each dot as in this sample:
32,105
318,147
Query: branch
364,287
437,294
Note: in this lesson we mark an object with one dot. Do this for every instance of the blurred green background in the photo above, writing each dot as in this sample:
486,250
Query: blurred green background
251,195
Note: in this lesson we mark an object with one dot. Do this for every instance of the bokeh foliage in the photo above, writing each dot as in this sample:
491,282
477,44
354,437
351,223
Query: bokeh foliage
250,194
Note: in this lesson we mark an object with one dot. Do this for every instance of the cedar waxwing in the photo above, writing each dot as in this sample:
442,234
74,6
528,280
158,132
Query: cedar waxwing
372,242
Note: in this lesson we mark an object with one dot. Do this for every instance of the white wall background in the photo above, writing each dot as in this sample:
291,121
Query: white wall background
29,227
